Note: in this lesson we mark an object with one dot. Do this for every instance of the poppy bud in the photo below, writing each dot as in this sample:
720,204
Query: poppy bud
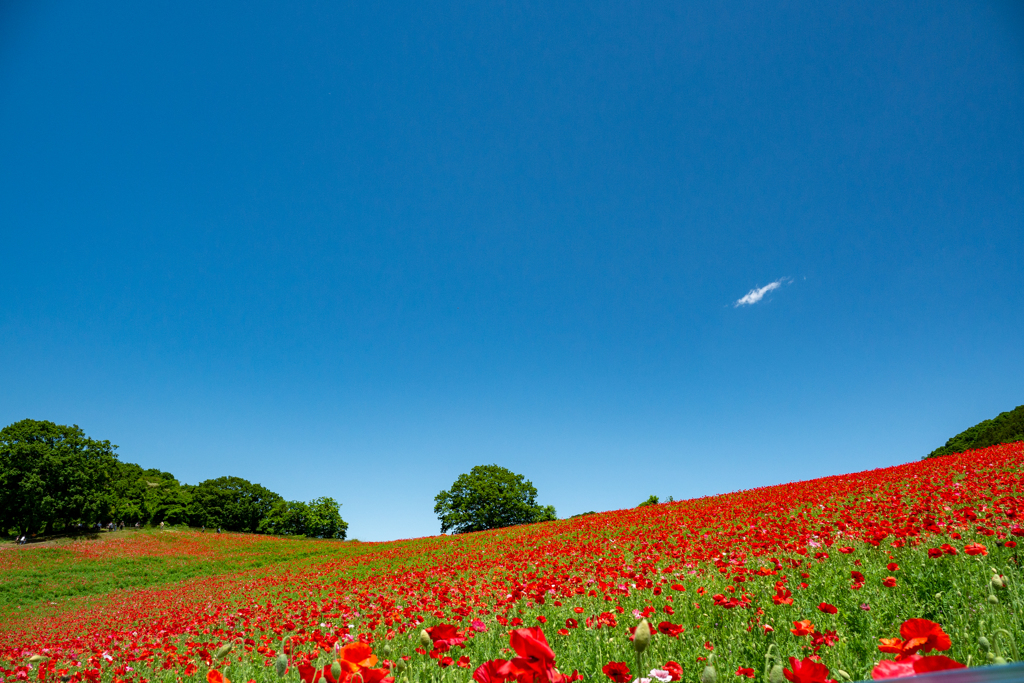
336,670
999,661
709,675
998,581
400,665
37,658
776,675
425,642
642,636
843,675
223,651
984,644
993,599
281,665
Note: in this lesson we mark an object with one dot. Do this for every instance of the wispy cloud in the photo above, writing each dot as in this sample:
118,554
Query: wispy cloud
755,295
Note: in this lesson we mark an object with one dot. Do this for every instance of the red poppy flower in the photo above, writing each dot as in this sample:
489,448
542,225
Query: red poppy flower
934,553
531,643
1010,544
563,631
806,671
913,665
804,627
214,676
307,673
571,623
674,669
975,549
888,668
463,662
892,566
493,671
857,576
749,673
827,608
889,582
921,634
936,663
616,671
368,675
442,633
670,629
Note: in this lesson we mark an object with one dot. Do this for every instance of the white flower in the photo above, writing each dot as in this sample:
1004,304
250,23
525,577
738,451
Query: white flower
662,676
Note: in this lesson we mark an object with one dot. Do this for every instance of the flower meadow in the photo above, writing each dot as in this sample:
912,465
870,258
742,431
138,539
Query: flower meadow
885,573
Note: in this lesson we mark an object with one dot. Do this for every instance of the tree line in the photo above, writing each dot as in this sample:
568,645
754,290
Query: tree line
1003,428
54,479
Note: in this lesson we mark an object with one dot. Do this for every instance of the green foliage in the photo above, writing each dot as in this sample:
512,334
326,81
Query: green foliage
489,497
147,496
1004,428
231,503
59,572
55,479
653,500
319,518
52,475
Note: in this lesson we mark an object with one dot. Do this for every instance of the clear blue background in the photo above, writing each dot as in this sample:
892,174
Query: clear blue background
354,251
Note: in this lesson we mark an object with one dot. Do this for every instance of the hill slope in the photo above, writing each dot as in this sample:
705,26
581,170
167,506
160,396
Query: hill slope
826,567
1004,428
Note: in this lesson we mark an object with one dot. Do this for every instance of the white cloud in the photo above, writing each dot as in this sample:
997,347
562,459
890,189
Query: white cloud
755,295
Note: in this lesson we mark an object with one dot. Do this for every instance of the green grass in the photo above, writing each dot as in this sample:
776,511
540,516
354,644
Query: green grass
32,575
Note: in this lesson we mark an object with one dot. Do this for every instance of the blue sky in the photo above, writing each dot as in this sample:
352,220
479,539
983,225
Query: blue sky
355,251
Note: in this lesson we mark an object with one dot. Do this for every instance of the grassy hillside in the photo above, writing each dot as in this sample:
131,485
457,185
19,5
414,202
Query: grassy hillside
1004,428
821,568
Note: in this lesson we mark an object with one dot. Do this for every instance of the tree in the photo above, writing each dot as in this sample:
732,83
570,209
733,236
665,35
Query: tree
489,497
324,520
231,503
317,519
147,496
653,500
52,475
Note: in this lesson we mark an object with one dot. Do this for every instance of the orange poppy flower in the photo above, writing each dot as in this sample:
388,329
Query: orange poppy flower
804,627
356,656
214,676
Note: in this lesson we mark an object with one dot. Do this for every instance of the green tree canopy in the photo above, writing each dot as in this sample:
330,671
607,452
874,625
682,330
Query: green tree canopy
318,518
1003,428
52,476
489,497
147,496
231,503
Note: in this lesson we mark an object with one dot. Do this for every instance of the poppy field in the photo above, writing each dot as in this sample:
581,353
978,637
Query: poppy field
882,573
